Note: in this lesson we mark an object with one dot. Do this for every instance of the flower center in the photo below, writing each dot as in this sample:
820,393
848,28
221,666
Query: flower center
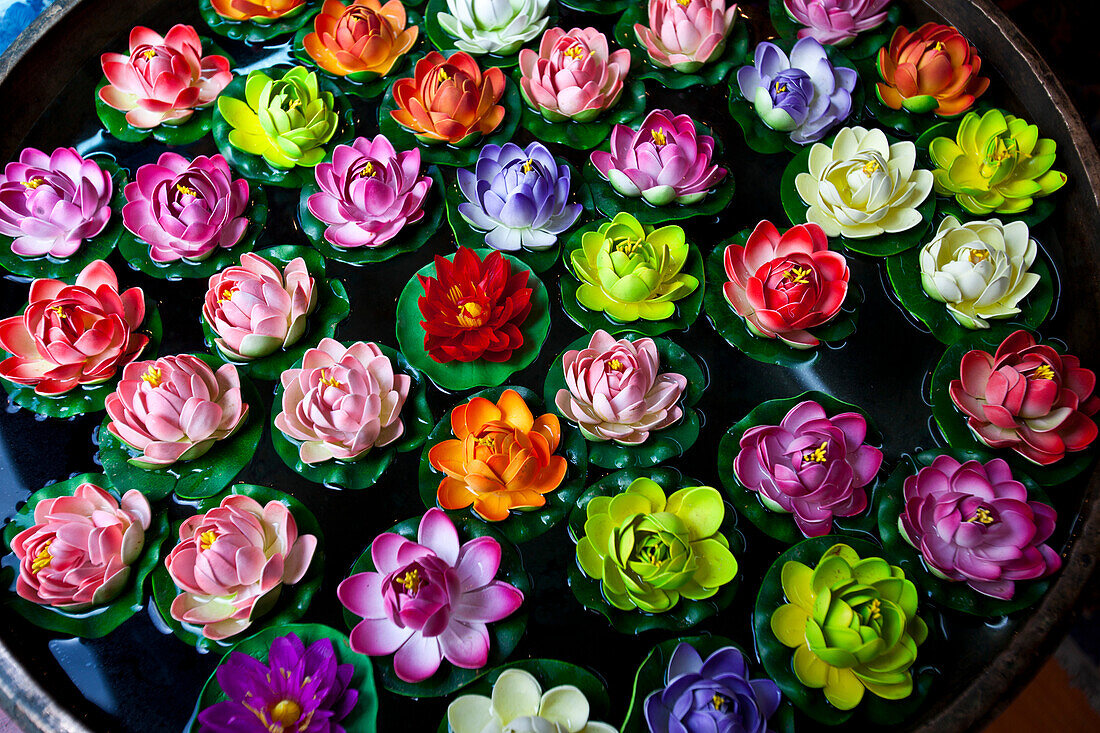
149,53
875,609
870,167
818,454
616,365
227,295
685,3
780,88
294,104
1043,371
286,713
368,170
486,441
653,551
443,76
152,376
977,255
42,559
328,380
206,539
575,51
658,136
528,165
185,190
626,246
60,311
938,45
982,516
718,702
798,275
411,581
471,314
34,182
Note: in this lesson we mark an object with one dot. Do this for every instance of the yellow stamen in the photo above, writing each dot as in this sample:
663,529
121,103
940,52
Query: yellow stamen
206,539
875,609
575,51
286,713
1043,371
717,701
626,246
799,275
454,293
1002,149
870,167
149,53
185,190
152,376
818,454
938,45
486,441
658,136
977,255
528,165
368,170
328,380
42,559
443,76
60,311
227,295
615,364
780,88
982,516
34,182
471,315
410,581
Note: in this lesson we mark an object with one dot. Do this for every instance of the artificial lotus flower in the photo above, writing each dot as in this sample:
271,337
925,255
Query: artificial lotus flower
630,270
686,35
71,335
664,161
449,100
175,408
648,550
164,79
932,69
257,11
803,94
286,120
429,600
519,704
616,391
79,552
973,523
572,76
362,39
342,402
979,269
784,285
1028,398
853,624
501,458
232,562
997,163
863,186
836,22
369,193
255,308
494,26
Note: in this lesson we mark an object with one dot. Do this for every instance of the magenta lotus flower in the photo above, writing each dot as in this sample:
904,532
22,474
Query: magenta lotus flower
429,600
79,552
186,209
369,193
572,76
256,308
810,465
836,22
232,562
50,204
686,35
616,391
664,161
973,523
175,408
342,402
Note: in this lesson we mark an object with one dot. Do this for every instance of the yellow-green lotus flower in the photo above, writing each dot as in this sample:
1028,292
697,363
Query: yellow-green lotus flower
996,163
853,625
286,120
632,271
648,551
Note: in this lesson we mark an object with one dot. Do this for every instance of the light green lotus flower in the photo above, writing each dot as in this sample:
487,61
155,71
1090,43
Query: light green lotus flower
631,271
853,625
286,120
648,551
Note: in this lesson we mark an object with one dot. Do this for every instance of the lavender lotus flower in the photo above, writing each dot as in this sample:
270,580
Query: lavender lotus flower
518,196
974,523
803,94
810,465
836,22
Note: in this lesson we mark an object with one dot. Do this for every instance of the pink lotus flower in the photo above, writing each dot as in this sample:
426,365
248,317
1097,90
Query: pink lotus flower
164,79
256,308
232,562
686,35
429,600
836,22
186,209
73,334
49,204
342,402
573,76
79,551
615,390
175,408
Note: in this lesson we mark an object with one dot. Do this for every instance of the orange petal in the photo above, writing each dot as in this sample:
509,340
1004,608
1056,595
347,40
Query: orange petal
470,418
550,477
515,411
448,457
493,507
453,494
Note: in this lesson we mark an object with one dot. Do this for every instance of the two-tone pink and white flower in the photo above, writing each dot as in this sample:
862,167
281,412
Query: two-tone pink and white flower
686,35
836,22
573,75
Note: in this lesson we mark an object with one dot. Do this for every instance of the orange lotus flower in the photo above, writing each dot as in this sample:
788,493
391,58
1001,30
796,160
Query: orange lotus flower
502,457
449,100
260,10
932,69
363,38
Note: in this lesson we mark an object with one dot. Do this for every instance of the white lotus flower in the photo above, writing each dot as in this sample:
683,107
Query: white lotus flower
979,269
494,26
863,186
519,705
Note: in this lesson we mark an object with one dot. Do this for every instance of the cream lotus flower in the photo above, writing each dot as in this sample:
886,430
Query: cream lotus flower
519,705
979,269
494,26
863,186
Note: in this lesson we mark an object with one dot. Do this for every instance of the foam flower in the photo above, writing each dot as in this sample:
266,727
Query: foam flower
932,69
836,22
362,39
686,35
449,100
519,704
259,11
494,26
572,76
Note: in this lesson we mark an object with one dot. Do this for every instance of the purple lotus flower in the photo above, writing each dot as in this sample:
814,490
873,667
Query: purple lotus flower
184,210
299,690
369,193
49,204
810,465
804,94
518,197
973,523
836,22
663,161
711,695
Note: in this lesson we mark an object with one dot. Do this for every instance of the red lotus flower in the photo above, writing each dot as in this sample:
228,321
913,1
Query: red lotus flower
1028,398
449,100
473,308
932,69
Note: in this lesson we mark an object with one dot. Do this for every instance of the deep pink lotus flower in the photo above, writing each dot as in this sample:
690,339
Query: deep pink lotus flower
342,402
663,161
73,334
615,390
369,193
232,562
1028,398
572,76
429,600
175,408
810,465
79,551
973,523
186,209
164,79
686,35
256,308
49,204
836,22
